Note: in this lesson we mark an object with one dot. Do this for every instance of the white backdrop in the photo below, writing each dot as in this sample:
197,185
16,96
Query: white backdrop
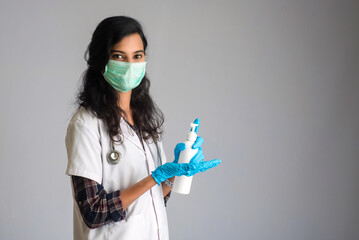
275,84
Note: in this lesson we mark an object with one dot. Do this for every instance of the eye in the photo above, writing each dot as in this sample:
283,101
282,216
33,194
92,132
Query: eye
138,56
118,56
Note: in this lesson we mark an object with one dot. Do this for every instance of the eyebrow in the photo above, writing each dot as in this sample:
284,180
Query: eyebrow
125,53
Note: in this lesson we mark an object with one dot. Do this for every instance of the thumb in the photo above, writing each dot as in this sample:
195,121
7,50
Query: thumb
179,147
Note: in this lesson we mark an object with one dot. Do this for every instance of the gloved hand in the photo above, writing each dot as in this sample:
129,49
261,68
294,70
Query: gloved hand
181,146
196,164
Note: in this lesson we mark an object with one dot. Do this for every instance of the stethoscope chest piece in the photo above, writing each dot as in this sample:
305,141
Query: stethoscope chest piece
114,156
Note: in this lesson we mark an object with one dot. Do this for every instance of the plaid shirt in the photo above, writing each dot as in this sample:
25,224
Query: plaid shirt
98,207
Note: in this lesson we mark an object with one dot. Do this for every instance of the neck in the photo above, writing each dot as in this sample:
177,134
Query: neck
124,100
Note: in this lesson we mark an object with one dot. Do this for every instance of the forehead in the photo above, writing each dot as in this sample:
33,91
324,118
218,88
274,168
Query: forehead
130,43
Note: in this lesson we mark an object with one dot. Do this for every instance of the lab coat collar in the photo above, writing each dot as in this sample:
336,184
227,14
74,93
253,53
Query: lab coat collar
128,133
151,150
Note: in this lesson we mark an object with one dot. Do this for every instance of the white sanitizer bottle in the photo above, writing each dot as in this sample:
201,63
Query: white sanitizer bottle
182,184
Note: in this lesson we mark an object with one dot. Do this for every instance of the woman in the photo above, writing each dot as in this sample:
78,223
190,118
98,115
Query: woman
120,179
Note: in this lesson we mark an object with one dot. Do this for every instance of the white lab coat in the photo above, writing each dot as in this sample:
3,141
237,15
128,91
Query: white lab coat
87,143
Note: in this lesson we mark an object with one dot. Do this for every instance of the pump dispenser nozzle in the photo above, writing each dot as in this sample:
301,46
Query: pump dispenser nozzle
192,135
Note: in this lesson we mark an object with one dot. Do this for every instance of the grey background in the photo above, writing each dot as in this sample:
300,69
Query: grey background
274,83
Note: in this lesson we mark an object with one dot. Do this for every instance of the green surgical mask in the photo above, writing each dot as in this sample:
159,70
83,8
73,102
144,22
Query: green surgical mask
124,76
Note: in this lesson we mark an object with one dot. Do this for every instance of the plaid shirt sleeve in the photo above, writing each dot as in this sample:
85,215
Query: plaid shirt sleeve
167,197
97,207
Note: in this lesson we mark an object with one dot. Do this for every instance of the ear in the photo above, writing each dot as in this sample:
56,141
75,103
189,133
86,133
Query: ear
103,70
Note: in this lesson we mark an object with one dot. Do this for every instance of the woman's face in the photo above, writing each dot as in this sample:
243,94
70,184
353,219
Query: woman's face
129,49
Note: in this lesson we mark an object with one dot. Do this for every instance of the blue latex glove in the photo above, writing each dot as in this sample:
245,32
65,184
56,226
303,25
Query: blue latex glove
196,121
196,164
197,160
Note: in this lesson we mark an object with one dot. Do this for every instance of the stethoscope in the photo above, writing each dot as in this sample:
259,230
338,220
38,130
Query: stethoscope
114,156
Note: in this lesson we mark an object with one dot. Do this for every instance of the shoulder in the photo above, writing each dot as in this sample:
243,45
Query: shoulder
85,118
84,122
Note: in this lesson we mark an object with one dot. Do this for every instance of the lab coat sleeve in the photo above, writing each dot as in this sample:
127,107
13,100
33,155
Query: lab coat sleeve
84,150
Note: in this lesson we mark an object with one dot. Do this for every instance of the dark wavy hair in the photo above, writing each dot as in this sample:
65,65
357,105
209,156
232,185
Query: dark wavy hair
100,98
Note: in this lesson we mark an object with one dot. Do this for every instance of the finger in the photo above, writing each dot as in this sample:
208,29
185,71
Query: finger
198,157
199,141
179,147
196,121
209,164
